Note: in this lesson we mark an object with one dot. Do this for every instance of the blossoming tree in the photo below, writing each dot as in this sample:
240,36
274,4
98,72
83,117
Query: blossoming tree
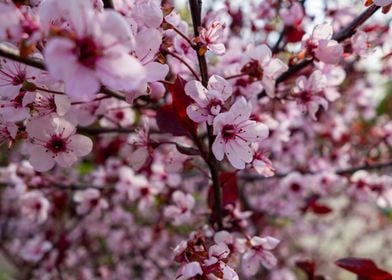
144,140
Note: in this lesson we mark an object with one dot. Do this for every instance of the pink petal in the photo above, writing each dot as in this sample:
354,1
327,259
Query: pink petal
120,71
80,145
329,51
81,83
197,92
40,159
322,31
218,148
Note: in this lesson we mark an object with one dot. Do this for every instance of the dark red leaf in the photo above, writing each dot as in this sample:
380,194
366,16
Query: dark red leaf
168,121
321,209
294,34
313,205
173,118
228,183
308,266
365,269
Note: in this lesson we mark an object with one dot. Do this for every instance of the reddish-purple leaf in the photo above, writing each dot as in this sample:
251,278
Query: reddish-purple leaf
313,205
308,266
365,269
228,183
173,118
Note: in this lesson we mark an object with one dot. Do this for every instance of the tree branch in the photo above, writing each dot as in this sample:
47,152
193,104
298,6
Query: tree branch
195,7
340,36
13,54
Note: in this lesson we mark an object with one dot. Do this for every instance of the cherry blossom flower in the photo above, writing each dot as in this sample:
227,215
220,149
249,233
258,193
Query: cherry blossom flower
10,24
382,3
235,132
212,36
259,253
54,141
34,206
180,212
35,248
359,42
209,101
16,109
264,67
189,271
89,200
321,46
144,13
292,16
18,23
118,113
12,77
46,103
148,44
308,92
261,163
95,54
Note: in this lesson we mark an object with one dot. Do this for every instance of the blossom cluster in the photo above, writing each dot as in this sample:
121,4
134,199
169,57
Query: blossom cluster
143,140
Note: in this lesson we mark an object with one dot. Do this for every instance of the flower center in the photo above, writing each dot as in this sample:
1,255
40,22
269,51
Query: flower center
57,144
19,78
228,132
88,52
305,97
214,107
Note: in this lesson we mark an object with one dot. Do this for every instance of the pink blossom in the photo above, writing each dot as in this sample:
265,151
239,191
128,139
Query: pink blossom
209,101
321,46
308,93
181,211
264,67
16,109
34,206
89,200
97,54
261,163
54,141
259,253
212,36
12,77
46,103
118,113
35,248
382,3
189,271
14,24
294,15
359,42
235,132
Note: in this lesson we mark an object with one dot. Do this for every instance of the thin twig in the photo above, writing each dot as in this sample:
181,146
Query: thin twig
13,54
183,36
183,61
340,36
